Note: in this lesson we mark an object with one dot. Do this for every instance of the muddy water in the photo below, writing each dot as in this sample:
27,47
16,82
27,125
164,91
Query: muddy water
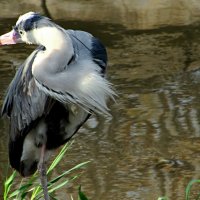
150,147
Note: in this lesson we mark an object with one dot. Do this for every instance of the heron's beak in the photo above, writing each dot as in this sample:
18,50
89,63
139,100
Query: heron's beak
9,38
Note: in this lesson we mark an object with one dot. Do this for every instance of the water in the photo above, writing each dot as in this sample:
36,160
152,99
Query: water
150,147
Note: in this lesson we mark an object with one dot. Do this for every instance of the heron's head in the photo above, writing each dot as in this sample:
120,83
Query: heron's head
25,29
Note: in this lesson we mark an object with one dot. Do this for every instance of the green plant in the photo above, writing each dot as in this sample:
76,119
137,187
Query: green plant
187,191
162,198
189,187
31,187
81,196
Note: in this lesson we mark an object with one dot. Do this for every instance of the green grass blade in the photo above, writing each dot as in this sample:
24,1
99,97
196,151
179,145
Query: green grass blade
8,183
81,195
36,191
23,189
163,198
68,171
23,195
39,195
59,157
188,188
62,184
72,197
70,179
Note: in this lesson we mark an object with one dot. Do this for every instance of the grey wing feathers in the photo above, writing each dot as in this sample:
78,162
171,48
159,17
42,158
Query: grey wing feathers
87,45
99,54
24,102
81,43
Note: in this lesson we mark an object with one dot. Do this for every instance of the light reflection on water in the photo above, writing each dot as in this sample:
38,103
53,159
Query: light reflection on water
156,116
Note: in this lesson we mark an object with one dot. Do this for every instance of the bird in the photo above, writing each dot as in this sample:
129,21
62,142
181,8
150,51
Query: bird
54,92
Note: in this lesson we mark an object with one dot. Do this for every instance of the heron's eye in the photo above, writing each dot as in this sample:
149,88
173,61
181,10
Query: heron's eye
20,32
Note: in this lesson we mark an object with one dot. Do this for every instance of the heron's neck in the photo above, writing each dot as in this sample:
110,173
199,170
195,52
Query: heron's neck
52,38
58,50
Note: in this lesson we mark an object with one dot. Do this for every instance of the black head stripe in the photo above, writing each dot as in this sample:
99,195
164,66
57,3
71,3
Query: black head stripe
30,23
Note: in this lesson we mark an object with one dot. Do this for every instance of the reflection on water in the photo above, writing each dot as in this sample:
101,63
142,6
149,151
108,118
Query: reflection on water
150,147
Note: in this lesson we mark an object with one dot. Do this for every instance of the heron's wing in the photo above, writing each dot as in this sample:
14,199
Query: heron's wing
24,102
81,81
94,88
86,45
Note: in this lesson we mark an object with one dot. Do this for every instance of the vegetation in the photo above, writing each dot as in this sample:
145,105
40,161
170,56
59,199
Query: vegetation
30,188
187,191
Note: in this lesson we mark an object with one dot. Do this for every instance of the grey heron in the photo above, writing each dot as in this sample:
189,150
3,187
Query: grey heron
54,91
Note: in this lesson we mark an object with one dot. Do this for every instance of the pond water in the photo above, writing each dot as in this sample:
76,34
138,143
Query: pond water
151,145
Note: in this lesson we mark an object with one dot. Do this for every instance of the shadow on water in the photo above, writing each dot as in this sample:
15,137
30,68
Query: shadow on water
150,147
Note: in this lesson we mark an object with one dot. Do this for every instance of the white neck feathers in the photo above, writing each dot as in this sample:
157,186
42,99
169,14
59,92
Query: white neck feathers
52,38
58,51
